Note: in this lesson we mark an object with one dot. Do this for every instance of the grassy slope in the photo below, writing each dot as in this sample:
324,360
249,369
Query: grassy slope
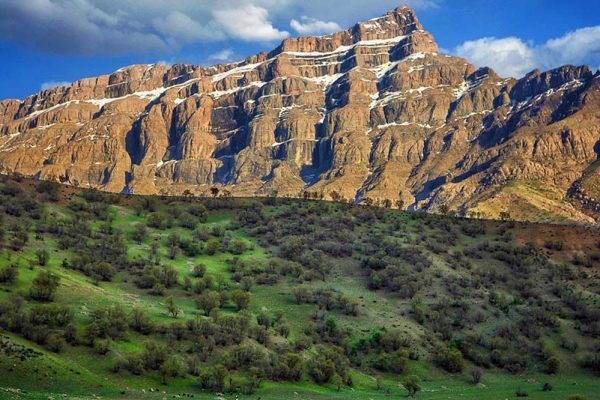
81,374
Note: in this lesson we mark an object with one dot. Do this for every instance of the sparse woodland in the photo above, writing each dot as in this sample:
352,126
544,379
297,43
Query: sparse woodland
238,295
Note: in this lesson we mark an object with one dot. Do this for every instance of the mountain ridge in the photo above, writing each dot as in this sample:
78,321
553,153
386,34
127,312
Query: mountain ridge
373,114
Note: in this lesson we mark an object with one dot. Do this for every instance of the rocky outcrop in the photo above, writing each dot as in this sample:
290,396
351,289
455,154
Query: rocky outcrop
374,114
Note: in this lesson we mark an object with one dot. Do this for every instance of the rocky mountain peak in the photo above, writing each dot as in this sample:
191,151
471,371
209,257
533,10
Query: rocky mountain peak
398,25
372,114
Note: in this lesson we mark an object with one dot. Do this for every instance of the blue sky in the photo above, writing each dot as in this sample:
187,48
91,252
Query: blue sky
47,42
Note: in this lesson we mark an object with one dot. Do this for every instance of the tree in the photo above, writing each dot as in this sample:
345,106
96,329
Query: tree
450,359
104,271
44,286
241,299
208,301
140,322
412,386
199,271
553,365
55,343
172,368
476,375
172,307
9,274
212,246
139,233
42,257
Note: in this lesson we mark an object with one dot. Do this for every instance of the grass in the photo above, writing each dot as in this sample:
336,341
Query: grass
80,373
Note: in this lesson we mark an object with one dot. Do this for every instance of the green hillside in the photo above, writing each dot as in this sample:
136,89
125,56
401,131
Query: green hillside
114,296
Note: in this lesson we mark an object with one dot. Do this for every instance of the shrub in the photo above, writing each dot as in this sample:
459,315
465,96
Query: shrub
214,378
412,386
173,367
241,299
154,355
208,301
140,322
199,271
55,343
42,257
450,359
102,346
476,375
104,271
44,286
9,274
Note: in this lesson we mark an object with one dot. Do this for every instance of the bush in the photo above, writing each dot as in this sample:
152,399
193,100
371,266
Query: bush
107,323
199,271
214,378
104,271
412,386
42,257
9,274
450,359
140,322
44,286
154,355
241,299
208,301
102,346
173,367
55,343
476,375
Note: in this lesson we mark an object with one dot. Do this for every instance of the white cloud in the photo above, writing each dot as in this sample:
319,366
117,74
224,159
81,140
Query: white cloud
54,84
514,57
508,56
310,26
249,23
178,27
109,27
223,55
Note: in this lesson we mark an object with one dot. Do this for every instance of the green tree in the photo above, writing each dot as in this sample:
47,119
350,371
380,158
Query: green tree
241,299
212,246
208,301
412,386
172,368
450,359
44,285
172,308
42,257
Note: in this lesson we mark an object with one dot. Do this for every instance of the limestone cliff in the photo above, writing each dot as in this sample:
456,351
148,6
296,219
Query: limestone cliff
374,114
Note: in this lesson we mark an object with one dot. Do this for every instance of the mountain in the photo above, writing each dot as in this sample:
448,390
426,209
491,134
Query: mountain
374,114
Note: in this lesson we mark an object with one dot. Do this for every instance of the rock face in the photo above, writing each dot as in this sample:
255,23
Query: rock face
374,114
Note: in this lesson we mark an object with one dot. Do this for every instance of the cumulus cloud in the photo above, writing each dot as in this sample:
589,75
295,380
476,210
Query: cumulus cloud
54,84
109,27
309,26
249,23
223,55
178,27
514,57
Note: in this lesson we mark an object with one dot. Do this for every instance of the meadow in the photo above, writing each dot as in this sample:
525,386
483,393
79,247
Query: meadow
111,296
